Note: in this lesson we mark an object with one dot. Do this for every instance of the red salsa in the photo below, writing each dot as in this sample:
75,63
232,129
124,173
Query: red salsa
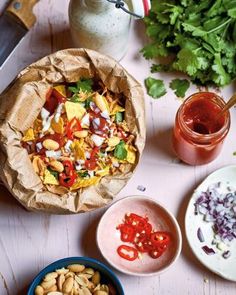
199,131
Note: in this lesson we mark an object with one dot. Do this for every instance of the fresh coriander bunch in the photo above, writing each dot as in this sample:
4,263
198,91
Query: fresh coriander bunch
199,36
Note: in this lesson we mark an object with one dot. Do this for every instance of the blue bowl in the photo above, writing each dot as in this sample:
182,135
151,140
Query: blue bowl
108,276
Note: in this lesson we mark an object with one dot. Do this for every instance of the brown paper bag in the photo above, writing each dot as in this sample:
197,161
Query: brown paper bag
20,105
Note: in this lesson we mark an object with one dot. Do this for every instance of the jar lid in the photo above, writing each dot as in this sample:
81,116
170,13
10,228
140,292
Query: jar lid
140,7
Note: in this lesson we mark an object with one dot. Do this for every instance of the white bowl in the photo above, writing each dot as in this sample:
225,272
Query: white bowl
108,237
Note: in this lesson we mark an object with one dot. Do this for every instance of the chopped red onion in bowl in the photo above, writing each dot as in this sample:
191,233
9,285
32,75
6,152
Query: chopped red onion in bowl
219,208
208,251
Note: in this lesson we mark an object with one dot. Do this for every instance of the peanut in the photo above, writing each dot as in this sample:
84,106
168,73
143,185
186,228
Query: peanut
96,278
81,134
48,284
50,144
39,290
61,279
55,293
52,289
50,276
100,293
76,267
56,165
68,285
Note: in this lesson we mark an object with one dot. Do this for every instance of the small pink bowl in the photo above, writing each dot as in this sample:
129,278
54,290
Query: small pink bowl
108,237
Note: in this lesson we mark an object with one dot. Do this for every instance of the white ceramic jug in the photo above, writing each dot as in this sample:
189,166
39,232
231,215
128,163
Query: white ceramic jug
100,25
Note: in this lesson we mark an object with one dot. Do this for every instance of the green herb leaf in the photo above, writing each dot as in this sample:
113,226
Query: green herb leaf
53,172
155,87
180,86
120,151
119,117
87,102
85,85
83,174
198,37
73,89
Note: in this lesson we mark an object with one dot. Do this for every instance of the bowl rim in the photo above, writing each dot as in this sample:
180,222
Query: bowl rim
44,271
174,221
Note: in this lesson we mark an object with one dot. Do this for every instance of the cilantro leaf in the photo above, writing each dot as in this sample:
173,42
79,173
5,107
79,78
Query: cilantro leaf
120,151
155,87
53,172
85,85
180,86
119,117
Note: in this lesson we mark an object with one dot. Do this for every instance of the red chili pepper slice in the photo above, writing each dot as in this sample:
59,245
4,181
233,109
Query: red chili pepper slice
68,166
67,180
160,238
127,233
91,164
155,253
60,98
144,245
73,126
127,252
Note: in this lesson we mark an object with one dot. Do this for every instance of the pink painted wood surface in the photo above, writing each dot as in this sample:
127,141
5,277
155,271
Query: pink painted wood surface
30,241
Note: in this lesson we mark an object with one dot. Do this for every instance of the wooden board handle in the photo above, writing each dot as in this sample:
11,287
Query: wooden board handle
23,10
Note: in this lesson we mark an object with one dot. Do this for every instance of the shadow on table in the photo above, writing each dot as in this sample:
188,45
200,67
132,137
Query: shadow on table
7,200
160,143
88,243
57,40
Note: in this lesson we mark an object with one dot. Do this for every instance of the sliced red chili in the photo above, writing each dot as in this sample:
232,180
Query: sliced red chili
160,238
155,253
60,98
73,126
67,180
144,245
68,166
127,233
127,252
91,163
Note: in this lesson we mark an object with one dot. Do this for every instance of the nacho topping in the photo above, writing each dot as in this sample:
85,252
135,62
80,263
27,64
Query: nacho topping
80,136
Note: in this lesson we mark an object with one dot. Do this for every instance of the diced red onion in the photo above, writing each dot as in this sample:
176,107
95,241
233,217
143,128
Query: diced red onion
200,235
208,251
226,254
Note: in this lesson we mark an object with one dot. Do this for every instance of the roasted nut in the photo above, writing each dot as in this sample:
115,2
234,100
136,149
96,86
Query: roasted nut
96,278
76,267
39,290
48,284
60,281
52,289
70,274
50,144
57,166
68,285
62,271
88,270
50,276
100,293
81,134
55,293
82,280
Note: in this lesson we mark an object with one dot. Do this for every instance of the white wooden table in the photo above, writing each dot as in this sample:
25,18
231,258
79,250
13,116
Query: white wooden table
30,241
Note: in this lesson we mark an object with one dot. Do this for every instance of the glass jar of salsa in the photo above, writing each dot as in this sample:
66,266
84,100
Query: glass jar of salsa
199,131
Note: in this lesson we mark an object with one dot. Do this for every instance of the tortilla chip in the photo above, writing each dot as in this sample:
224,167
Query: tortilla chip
49,178
61,89
103,172
131,155
58,127
78,150
80,183
29,135
74,110
117,109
